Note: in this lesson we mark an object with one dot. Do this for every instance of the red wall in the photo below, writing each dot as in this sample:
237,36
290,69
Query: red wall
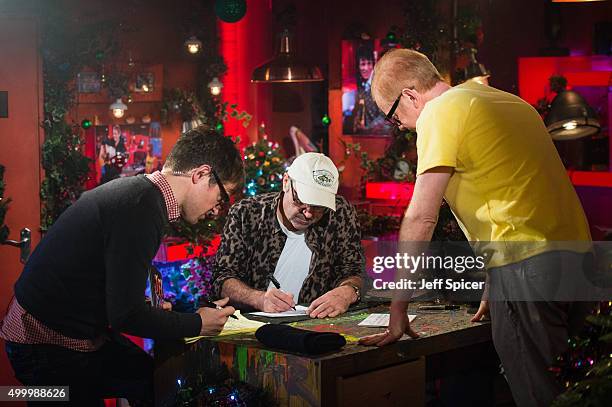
245,45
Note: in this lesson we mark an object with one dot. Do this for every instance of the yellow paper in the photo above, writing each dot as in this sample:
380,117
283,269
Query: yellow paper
232,327
350,338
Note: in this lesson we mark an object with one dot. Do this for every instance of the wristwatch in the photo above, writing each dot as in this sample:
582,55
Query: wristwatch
357,291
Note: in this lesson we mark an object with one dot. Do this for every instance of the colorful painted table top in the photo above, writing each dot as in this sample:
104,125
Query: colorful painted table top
427,323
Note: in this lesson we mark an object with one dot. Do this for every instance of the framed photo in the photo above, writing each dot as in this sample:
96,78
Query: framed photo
145,82
360,114
88,82
127,149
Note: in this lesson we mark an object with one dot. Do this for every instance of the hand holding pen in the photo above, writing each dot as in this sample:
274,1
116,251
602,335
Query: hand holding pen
203,303
214,316
276,300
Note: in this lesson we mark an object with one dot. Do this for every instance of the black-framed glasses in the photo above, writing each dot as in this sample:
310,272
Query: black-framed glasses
314,209
391,117
225,198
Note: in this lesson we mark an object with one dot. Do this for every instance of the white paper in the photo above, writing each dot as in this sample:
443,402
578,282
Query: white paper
300,310
380,320
233,326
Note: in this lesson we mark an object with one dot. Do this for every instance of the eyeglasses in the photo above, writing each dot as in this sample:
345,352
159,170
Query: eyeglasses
225,198
314,209
391,117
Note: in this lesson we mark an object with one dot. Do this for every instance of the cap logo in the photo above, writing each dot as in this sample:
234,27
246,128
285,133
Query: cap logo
323,178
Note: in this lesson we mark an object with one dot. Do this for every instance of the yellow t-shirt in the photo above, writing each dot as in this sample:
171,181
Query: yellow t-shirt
509,184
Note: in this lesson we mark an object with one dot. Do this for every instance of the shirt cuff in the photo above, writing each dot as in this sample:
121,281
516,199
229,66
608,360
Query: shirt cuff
421,168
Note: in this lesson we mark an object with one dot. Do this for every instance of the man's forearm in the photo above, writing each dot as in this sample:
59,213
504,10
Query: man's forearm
417,229
240,293
414,237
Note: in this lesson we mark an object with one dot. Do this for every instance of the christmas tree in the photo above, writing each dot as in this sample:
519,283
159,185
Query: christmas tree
4,230
586,368
264,165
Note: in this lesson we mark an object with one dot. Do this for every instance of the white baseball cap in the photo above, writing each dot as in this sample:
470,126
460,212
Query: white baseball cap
315,179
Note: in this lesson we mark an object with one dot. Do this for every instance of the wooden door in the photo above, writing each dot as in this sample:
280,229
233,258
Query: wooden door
20,140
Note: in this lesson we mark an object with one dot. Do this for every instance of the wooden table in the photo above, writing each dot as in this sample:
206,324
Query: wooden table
355,375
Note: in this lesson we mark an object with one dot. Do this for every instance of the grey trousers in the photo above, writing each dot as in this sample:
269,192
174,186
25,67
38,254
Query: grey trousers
529,335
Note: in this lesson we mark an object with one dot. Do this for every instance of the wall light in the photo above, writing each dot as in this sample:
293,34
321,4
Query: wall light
193,44
118,108
215,86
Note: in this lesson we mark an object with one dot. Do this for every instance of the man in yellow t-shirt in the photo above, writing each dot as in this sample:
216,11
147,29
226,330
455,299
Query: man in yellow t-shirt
489,155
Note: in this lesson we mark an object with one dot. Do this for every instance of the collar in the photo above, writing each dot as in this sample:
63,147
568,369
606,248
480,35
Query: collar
158,179
275,202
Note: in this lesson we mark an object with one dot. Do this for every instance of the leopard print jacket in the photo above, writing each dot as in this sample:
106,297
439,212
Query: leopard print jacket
252,243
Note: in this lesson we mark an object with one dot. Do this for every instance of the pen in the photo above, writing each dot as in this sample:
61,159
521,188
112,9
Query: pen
438,307
276,284
209,304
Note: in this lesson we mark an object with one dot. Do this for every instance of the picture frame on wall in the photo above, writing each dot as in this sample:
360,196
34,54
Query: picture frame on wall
88,82
124,150
145,82
360,114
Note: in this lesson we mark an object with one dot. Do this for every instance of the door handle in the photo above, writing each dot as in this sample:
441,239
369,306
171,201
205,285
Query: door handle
24,244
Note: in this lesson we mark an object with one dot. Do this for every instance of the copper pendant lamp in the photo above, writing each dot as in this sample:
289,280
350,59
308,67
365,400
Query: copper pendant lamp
286,67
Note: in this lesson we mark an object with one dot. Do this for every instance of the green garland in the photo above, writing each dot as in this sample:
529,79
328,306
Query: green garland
398,164
183,102
377,225
394,165
66,170
425,29
4,203
199,234
66,50
189,106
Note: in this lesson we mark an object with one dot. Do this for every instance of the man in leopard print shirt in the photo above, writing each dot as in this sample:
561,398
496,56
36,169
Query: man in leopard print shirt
306,236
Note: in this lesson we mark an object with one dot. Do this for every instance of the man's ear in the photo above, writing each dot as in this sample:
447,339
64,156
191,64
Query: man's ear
200,173
285,183
413,96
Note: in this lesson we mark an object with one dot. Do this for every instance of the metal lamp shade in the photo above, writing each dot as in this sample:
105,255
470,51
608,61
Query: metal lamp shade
571,117
285,67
